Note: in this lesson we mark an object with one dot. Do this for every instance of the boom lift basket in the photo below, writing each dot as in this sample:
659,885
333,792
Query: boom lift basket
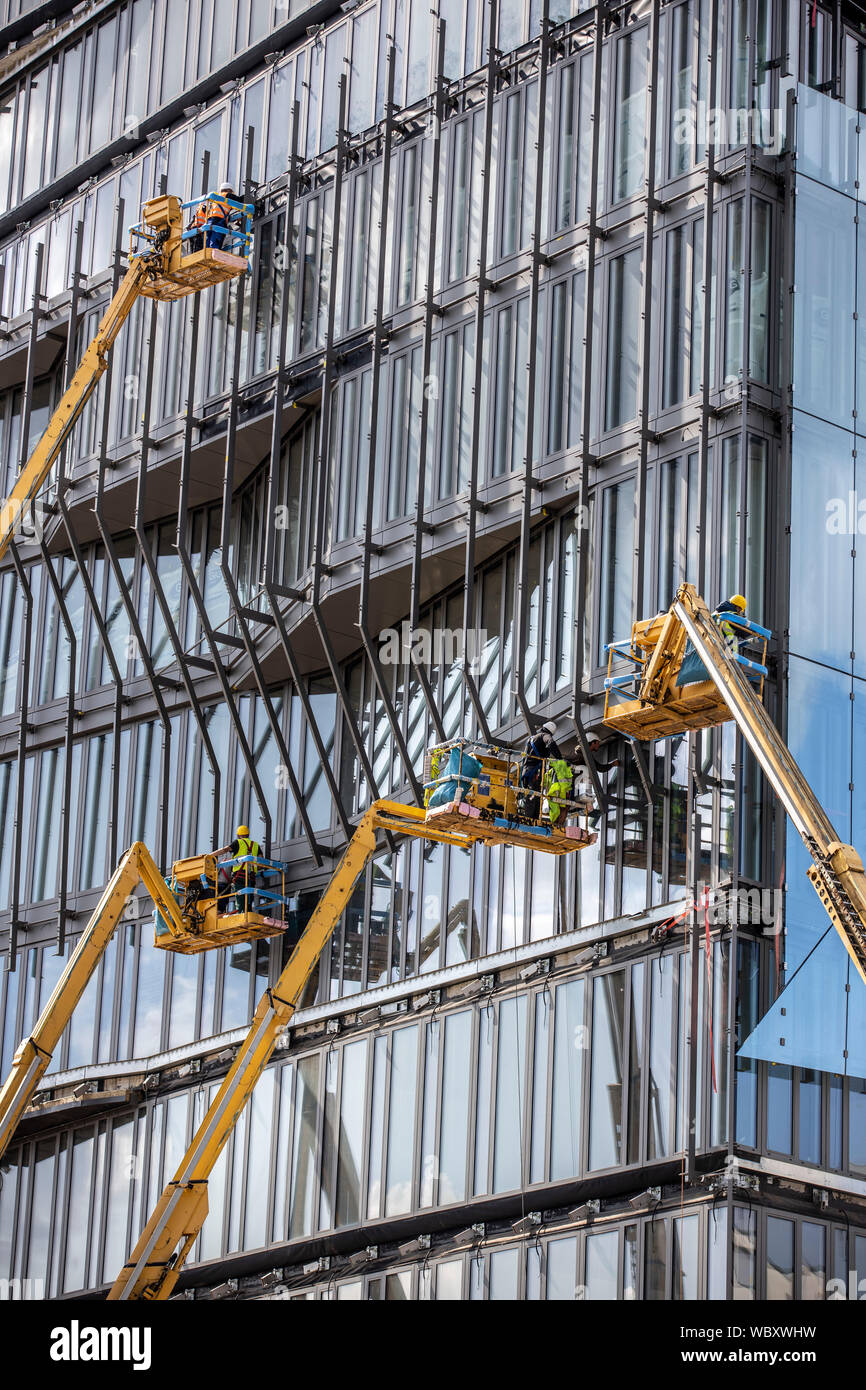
647,667
475,790
186,270
203,889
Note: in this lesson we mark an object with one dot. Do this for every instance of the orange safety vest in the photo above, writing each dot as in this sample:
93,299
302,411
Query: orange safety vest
218,208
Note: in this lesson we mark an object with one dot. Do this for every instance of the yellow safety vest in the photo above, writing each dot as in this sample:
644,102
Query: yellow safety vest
246,847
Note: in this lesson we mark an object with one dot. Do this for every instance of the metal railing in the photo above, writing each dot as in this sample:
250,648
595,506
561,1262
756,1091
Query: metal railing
625,649
478,788
233,235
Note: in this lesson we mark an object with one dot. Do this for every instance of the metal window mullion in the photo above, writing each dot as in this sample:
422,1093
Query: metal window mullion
156,583
138,1121
646,355
136,935
67,766
114,565
415,582
18,830
522,575
271,589
54,1219
378,349
102,1203
189,568
587,459
472,1120
418,1129
321,465
386,1122
546,1082
26,1209
483,284
366,1128
291,1101
231,587
62,1237
29,371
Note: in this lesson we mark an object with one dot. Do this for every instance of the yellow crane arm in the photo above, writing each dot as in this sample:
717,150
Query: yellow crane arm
33,1055
155,1264
837,869
81,387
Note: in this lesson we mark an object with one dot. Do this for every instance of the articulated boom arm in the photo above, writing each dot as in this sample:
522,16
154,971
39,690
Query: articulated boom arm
33,1055
91,367
155,1264
837,871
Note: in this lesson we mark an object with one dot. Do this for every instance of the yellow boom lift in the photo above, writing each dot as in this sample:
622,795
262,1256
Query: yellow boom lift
160,267
471,799
659,707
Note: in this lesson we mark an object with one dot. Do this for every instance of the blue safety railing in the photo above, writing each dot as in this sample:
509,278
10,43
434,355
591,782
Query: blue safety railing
265,895
263,891
235,236
624,649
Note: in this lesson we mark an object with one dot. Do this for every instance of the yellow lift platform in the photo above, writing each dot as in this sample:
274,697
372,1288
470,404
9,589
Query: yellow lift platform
161,266
202,889
661,703
475,790
660,708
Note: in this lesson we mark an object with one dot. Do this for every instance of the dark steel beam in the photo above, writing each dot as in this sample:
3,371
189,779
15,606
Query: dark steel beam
210,635
152,568
694,838
23,726
269,584
438,115
491,73
322,465
372,450
225,550
529,481
111,554
94,603
583,620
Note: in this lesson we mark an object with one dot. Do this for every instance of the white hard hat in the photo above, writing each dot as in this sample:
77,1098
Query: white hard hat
227,188
550,726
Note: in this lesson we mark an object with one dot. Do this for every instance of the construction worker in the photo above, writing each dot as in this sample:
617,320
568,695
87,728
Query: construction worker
597,738
244,875
196,224
558,787
735,604
219,213
692,669
540,746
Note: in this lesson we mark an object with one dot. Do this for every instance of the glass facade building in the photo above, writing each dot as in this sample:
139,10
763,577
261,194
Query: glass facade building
552,306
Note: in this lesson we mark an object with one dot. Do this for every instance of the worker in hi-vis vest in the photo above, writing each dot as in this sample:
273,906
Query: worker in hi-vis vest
219,213
211,219
242,876
735,604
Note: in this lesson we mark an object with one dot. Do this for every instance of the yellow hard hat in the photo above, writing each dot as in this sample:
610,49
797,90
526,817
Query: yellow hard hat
738,601
243,831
